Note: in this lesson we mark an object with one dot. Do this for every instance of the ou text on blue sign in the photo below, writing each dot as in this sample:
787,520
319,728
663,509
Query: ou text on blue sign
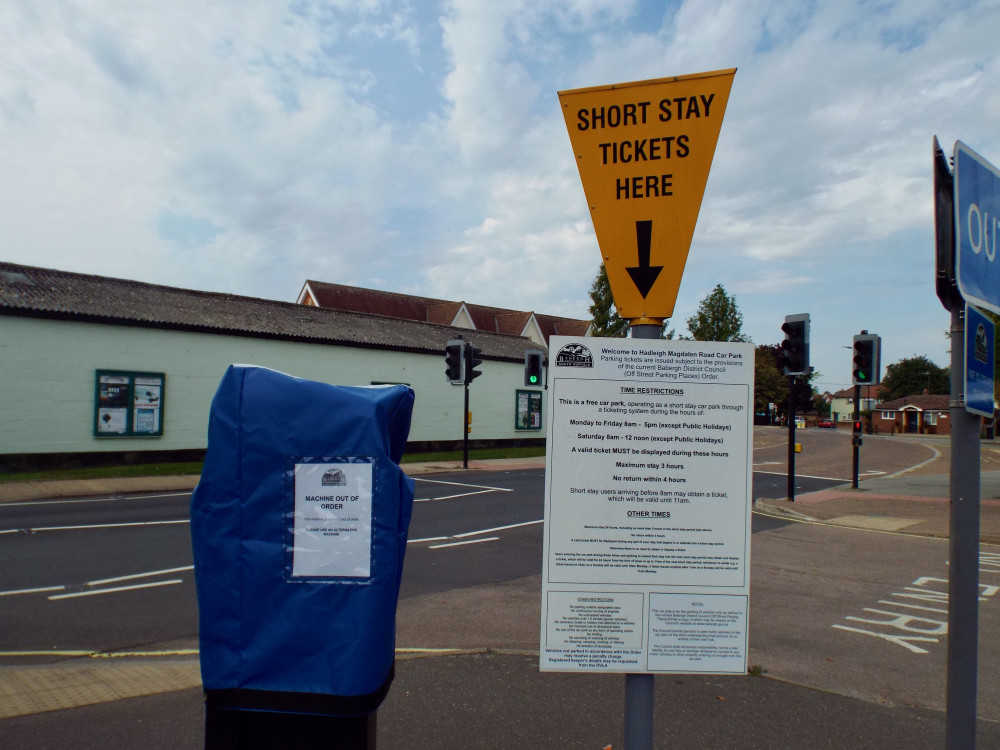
977,228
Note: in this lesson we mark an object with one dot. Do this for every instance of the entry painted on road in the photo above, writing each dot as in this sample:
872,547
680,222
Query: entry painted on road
915,616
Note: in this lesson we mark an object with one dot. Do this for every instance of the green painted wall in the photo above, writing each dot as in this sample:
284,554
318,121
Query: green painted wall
47,379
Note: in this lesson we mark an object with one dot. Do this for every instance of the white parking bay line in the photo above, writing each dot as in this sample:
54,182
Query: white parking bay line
81,501
115,589
451,497
41,590
497,528
464,484
467,541
132,577
96,526
470,533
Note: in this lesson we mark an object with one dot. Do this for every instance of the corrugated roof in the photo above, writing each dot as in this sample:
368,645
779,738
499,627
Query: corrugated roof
428,309
43,292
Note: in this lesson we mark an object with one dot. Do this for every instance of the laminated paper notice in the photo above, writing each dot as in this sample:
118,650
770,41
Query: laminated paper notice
647,506
332,531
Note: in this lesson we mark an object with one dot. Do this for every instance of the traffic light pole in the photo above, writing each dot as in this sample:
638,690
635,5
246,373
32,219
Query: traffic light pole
856,438
792,380
465,429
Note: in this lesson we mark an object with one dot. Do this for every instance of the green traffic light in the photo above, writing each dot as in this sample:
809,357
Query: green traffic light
533,379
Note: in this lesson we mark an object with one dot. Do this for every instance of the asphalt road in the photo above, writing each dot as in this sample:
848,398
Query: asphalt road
852,613
95,574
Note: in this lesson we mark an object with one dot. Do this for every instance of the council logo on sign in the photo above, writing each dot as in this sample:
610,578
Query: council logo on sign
982,342
334,478
574,355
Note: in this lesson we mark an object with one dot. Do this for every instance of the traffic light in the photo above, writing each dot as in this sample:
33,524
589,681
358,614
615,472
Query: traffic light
454,357
472,361
795,347
533,360
857,426
867,348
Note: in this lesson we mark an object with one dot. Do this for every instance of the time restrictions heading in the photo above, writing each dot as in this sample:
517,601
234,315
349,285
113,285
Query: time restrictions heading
648,483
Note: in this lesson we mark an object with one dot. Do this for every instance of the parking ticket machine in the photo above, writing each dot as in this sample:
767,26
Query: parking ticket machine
299,528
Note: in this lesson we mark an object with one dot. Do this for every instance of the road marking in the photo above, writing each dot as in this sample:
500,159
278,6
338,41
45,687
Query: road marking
464,484
41,590
37,529
195,652
901,626
450,497
102,582
935,457
467,541
45,653
497,528
467,534
91,500
116,589
803,476
101,654
132,577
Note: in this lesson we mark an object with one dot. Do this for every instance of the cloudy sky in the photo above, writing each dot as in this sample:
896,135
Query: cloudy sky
417,146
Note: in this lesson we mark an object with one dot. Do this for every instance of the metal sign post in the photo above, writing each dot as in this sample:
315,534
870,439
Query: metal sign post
639,711
963,556
966,270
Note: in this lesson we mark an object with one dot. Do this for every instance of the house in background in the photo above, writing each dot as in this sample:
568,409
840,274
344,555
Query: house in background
919,415
842,402
530,325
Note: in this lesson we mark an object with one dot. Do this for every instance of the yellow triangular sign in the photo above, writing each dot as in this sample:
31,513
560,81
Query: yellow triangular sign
644,151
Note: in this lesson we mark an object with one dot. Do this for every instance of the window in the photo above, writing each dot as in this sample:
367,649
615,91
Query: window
888,415
128,404
930,417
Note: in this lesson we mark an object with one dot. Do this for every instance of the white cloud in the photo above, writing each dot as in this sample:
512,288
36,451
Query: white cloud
420,147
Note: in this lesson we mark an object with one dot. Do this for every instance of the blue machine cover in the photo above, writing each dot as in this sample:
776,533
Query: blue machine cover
271,618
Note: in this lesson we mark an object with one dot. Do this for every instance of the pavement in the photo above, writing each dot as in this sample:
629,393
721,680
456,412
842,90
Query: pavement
153,699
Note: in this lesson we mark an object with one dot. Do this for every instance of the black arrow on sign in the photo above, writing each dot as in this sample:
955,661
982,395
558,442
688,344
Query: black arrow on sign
644,275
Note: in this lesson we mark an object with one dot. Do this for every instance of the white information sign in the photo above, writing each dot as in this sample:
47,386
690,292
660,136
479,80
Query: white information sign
646,562
332,532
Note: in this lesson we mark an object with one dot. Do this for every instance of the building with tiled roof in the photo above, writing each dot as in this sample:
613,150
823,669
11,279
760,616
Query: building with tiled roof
534,326
69,340
924,414
842,402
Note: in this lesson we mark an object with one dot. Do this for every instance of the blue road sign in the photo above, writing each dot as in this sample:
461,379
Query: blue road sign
979,362
977,228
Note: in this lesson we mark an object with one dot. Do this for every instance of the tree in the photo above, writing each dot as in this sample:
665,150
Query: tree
718,318
770,384
911,375
604,315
